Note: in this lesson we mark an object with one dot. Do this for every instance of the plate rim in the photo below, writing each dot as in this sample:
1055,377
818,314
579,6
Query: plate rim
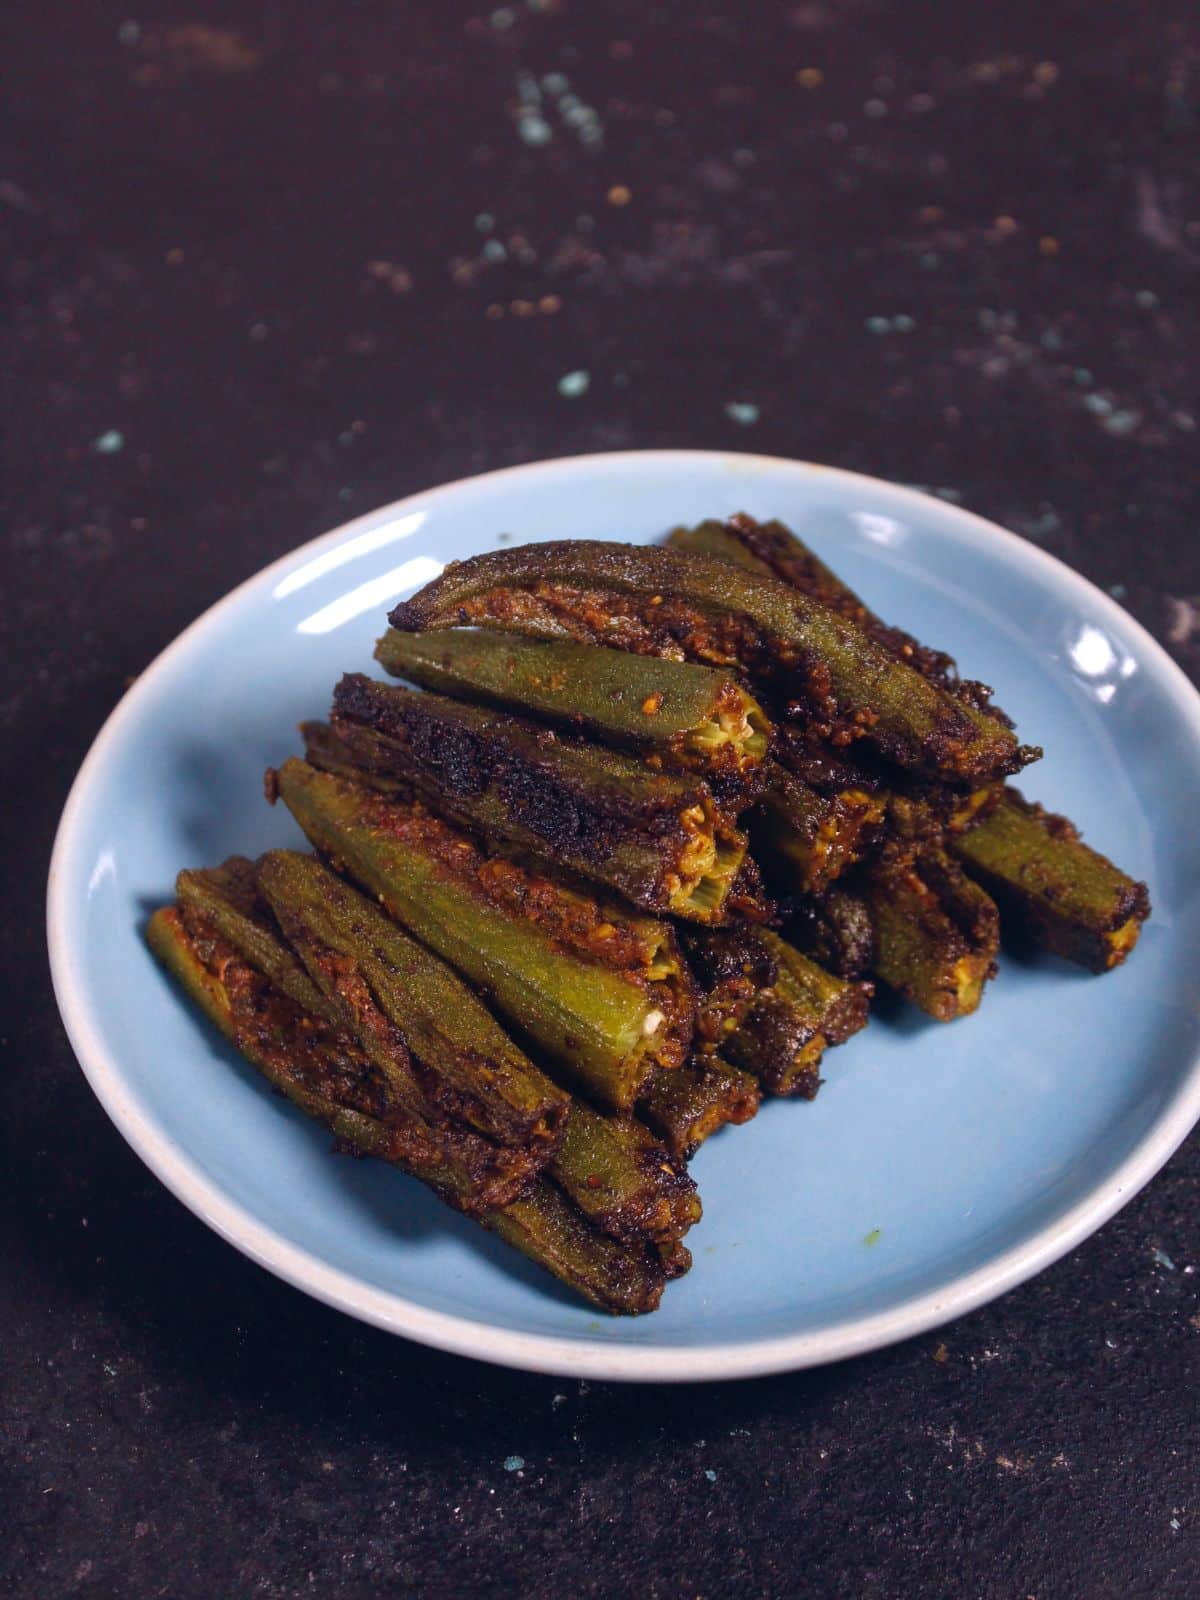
605,1360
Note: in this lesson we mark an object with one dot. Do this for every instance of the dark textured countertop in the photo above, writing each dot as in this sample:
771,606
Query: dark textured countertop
268,266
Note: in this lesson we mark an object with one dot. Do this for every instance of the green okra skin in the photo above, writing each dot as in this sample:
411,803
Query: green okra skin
687,1106
657,838
371,970
1063,895
766,548
605,997
690,715
228,897
622,1179
652,600
936,932
808,839
769,548
625,1279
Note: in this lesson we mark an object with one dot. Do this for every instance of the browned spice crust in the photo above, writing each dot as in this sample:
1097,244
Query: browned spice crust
327,1062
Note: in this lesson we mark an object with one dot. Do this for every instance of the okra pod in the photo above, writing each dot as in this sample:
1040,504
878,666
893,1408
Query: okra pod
309,1060
603,994
780,1046
808,838
308,1063
936,932
622,1179
687,1106
772,549
383,983
732,966
804,1012
691,716
1066,897
657,838
924,813
840,1007
328,1074
655,601
835,929
1062,894
626,1279
228,897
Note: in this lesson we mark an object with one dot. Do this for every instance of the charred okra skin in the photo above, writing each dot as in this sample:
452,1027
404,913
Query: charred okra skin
381,980
835,929
780,1046
691,716
656,601
1062,894
810,838
658,838
936,932
309,1065
687,1107
805,1011
732,966
605,996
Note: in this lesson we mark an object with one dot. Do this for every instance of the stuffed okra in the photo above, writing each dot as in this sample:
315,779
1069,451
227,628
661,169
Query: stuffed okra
323,1074
393,995
731,967
808,838
603,994
656,837
688,715
687,1107
936,933
1063,895
835,929
320,1065
771,549
655,601
622,1179
805,1011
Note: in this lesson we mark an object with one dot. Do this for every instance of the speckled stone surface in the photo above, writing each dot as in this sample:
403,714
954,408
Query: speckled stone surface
268,266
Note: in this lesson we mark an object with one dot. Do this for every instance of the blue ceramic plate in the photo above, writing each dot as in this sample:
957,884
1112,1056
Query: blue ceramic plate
939,1166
